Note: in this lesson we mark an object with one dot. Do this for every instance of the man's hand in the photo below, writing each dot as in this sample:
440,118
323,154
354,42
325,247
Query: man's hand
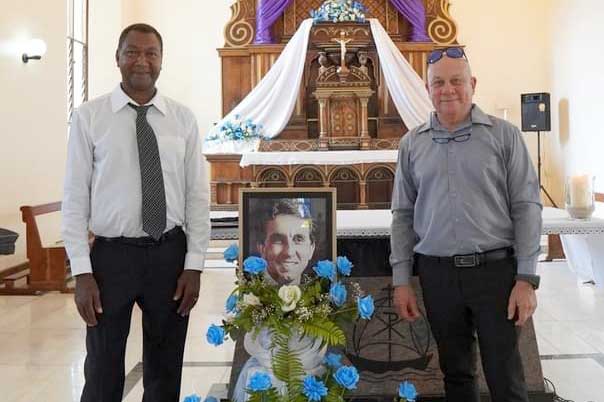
187,290
88,298
523,301
406,303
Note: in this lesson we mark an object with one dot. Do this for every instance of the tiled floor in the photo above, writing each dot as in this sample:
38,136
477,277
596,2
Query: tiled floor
42,341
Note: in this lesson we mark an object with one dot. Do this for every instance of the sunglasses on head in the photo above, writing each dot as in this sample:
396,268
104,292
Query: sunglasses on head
451,52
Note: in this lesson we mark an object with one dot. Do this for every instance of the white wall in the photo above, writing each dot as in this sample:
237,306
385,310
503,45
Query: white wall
191,67
508,48
577,87
33,110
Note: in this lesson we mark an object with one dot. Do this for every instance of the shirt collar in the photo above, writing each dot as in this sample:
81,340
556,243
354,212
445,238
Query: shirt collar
119,99
476,114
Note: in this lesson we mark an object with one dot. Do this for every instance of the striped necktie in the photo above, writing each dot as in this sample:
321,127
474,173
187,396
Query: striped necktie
152,180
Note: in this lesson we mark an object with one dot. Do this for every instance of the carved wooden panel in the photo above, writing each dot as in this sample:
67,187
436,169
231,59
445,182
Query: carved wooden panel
309,177
347,182
299,10
343,118
241,28
272,177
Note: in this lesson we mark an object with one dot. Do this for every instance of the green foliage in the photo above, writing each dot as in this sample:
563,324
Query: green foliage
270,395
325,330
287,366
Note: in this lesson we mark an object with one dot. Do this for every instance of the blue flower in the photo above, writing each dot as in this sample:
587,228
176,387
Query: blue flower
210,399
365,307
344,266
192,398
338,293
325,269
407,390
215,335
254,265
313,388
333,360
231,253
231,304
259,382
347,377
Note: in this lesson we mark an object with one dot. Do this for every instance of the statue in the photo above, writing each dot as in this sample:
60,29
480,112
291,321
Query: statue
342,71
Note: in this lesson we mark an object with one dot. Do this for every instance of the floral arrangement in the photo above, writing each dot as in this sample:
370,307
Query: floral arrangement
339,11
237,130
406,392
316,308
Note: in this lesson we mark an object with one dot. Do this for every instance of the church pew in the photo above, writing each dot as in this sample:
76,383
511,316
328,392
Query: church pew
48,264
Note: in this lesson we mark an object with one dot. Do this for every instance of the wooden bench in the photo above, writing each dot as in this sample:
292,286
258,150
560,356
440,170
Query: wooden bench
47,267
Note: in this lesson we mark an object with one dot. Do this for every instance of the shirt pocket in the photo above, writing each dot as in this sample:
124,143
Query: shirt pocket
171,153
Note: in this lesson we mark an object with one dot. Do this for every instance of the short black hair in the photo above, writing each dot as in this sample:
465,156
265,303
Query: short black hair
140,27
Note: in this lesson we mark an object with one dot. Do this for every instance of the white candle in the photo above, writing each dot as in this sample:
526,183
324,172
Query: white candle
580,193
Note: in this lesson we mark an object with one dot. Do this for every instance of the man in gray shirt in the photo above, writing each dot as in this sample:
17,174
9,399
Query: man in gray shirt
467,216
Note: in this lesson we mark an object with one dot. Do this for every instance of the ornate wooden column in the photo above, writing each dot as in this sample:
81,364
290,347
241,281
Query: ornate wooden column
365,139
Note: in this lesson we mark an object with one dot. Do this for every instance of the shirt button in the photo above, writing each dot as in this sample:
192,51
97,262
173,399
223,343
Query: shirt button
456,219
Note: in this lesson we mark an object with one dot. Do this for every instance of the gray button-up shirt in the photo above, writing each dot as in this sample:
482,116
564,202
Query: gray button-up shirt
464,197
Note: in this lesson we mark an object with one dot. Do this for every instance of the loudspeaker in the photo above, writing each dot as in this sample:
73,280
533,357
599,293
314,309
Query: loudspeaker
535,112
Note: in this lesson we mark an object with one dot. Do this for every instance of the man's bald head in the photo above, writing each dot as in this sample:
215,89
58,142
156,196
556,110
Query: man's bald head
451,87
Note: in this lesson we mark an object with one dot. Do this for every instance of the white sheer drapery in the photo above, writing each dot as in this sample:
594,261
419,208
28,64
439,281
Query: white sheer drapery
272,101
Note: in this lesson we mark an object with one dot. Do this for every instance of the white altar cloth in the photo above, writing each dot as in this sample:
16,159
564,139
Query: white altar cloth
318,158
582,240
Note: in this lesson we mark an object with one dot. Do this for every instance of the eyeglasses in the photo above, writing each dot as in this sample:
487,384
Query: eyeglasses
452,52
456,138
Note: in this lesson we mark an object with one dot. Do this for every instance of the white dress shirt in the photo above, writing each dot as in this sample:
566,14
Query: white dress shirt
103,185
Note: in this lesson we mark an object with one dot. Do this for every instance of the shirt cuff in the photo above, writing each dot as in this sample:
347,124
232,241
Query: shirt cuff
400,274
527,266
80,265
194,262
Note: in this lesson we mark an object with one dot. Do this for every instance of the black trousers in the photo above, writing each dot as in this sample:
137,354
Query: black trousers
145,275
463,304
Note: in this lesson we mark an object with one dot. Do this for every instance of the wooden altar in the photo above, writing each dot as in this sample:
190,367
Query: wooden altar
343,102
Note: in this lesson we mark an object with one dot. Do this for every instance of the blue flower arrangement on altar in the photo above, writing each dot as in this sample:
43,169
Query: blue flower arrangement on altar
295,324
237,130
339,11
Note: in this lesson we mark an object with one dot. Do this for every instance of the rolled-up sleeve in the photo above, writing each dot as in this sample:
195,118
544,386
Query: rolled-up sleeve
525,204
402,237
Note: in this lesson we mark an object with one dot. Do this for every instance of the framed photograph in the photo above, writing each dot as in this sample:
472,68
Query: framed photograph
291,228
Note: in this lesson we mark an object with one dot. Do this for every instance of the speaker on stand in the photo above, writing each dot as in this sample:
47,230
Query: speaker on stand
536,117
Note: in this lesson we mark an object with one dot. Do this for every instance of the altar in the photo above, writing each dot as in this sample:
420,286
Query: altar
583,240
297,92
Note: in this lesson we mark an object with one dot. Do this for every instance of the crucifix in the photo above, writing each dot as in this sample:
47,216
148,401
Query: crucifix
342,70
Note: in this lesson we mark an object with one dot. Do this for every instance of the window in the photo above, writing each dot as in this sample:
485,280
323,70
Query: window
77,55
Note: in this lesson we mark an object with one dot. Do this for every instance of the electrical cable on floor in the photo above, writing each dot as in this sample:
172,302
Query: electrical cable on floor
549,384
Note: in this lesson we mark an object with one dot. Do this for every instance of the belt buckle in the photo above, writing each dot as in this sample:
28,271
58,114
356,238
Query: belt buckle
465,261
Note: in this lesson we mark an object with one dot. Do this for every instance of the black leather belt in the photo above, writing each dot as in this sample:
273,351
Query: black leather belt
147,241
470,260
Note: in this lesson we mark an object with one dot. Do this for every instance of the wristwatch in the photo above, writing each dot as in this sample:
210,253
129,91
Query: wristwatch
532,279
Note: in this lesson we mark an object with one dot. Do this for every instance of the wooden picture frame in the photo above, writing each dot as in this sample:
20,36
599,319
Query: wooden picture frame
291,228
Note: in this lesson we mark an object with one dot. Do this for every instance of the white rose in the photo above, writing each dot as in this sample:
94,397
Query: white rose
250,299
290,295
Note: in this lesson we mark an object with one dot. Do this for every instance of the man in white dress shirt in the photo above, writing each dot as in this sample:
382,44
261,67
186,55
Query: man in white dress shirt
134,179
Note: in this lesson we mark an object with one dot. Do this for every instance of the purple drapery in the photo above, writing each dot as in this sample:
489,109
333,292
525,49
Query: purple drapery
267,13
269,10
415,13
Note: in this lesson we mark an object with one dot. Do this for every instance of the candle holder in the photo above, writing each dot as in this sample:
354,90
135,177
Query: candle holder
580,196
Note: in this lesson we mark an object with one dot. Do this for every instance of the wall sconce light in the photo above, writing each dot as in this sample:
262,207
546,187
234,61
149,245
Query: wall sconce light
34,50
